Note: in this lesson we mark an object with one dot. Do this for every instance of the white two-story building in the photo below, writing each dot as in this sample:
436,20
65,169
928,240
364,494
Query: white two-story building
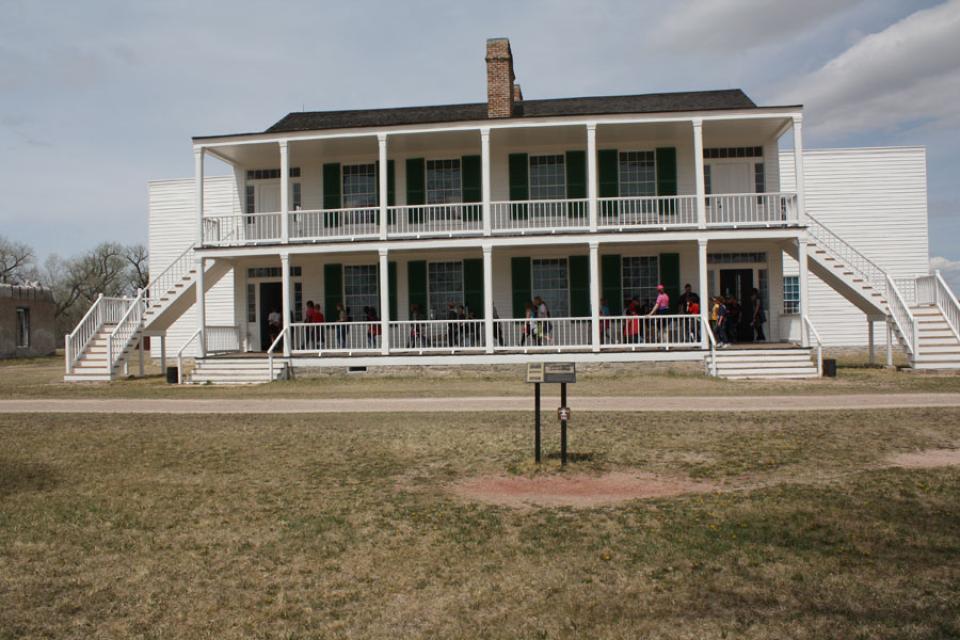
423,235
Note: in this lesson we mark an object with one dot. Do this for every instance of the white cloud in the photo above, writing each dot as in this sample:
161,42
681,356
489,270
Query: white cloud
949,269
737,25
905,75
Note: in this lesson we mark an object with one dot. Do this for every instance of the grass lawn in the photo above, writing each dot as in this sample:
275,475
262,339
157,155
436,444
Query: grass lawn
343,526
43,378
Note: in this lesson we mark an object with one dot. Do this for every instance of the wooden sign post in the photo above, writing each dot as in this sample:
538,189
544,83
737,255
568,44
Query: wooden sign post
561,373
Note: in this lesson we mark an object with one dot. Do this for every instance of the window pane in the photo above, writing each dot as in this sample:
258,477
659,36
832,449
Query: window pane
443,182
548,180
445,285
791,294
251,303
550,283
23,327
640,279
360,284
359,186
638,174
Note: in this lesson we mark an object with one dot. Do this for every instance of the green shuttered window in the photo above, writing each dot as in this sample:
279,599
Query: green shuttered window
608,176
520,283
670,277
579,270
332,290
331,193
610,283
473,286
416,188
519,184
417,285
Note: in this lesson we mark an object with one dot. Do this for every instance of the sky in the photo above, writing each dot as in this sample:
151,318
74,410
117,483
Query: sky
98,97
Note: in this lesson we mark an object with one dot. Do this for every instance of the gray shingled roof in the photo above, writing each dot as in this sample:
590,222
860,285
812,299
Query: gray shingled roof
648,103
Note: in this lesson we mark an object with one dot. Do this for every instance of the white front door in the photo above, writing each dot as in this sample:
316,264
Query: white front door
268,198
731,177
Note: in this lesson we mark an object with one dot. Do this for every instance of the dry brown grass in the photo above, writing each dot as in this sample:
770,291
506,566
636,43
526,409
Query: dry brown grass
293,527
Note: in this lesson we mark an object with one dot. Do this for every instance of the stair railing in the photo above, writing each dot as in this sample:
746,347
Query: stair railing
841,249
712,341
183,348
812,330
102,311
169,277
947,302
904,319
126,330
273,347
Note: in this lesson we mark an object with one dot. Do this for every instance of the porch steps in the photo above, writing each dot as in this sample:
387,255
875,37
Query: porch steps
766,364
237,371
91,365
937,345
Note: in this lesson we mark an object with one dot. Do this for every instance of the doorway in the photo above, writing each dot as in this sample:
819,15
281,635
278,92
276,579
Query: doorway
271,299
731,177
738,283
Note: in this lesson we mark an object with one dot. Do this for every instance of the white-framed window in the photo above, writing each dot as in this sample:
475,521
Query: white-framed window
444,184
638,173
549,280
296,199
251,302
360,289
791,294
640,276
707,180
359,186
23,327
444,285
548,178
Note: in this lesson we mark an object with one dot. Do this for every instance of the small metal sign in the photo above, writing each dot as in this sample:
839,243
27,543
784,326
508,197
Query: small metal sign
563,414
551,372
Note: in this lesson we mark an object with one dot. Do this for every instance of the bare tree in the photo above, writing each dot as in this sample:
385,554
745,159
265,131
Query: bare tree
138,274
16,261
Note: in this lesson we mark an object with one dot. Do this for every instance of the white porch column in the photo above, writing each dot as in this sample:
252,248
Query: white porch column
592,178
285,285
201,306
698,173
595,296
488,332
804,288
284,193
163,354
382,177
871,351
889,341
198,154
798,167
384,302
704,292
485,179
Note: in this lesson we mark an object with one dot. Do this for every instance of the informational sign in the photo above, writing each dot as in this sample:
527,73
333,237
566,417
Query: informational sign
563,414
552,372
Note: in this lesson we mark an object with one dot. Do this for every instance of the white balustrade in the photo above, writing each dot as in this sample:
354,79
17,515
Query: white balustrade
646,212
541,334
331,224
334,337
947,302
242,229
904,319
657,331
422,336
223,338
751,209
847,254
169,278
435,220
127,329
540,216
103,311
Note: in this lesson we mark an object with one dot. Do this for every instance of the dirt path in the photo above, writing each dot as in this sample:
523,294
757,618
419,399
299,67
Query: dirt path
407,405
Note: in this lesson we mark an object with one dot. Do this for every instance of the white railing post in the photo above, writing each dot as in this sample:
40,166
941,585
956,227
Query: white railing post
488,332
595,295
804,286
889,342
384,302
382,182
698,173
798,167
201,305
285,296
198,154
704,290
485,179
592,174
284,192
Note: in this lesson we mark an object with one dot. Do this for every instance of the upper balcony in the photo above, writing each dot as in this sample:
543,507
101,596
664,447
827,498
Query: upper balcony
597,177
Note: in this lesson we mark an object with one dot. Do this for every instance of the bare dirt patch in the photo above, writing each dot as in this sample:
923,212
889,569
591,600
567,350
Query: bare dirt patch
927,459
575,490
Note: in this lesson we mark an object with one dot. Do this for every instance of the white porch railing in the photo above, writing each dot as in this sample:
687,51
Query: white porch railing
647,212
751,209
102,311
334,337
169,277
126,331
422,336
541,334
934,290
242,229
540,216
330,224
659,331
712,342
196,334
435,220
841,249
904,319
223,338
812,330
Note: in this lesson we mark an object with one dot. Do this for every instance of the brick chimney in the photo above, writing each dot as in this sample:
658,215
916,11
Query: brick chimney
501,90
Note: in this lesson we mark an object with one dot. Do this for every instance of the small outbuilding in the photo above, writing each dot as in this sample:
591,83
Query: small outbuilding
26,321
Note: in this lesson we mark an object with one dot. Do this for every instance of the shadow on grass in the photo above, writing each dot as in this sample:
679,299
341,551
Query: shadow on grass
572,457
18,476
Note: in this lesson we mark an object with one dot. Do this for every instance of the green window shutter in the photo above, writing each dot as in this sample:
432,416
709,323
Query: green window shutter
331,193
666,161
608,170
579,270
417,285
519,170
416,188
392,288
332,290
391,193
610,278
471,179
670,277
473,286
576,165
520,283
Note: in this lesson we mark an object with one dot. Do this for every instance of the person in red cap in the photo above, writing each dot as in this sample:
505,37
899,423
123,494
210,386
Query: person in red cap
660,308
